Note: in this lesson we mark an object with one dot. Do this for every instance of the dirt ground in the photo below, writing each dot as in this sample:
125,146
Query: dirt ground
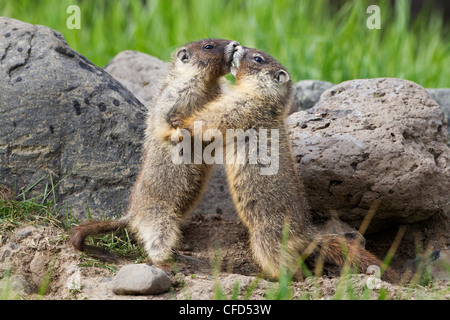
33,255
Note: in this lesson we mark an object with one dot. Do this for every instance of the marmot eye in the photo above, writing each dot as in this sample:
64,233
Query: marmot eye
258,59
208,47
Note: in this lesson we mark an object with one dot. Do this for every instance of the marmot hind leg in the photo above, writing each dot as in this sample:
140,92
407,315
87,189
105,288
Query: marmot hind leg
274,254
158,229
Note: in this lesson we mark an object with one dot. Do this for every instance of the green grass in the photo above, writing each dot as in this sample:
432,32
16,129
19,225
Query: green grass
314,39
42,210
24,211
121,244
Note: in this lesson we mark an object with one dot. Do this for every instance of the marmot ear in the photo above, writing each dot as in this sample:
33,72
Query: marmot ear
281,76
184,55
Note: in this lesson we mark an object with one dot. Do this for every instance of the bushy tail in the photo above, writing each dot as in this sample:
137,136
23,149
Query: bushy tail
82,231
346,253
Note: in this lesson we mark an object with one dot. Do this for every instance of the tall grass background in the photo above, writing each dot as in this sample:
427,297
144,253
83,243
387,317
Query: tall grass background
314,39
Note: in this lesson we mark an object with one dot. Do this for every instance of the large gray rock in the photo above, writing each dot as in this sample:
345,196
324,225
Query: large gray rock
307,93
65,123
373,140
442,96
143,75
140,73
140,279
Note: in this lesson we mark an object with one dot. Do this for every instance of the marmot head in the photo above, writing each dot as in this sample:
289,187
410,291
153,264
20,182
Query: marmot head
213,57
259,71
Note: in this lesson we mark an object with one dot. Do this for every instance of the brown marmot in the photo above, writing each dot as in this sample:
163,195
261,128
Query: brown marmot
165,192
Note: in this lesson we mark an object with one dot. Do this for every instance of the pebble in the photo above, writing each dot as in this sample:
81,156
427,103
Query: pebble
5,255
440,268
13,245
436,266
15,286
24,234
140,279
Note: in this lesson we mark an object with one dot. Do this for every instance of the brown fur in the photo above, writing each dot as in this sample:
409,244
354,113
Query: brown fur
267,203
346,253
164,192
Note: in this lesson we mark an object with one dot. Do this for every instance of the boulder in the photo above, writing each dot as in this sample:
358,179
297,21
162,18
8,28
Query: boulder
442,96
307,93
68,129
140,73
373,141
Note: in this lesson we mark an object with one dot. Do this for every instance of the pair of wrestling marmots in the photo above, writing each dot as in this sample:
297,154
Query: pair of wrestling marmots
165,192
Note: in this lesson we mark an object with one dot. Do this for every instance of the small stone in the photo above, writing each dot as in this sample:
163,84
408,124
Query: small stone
24,234
13,245
140,279
73,281
440,268
5,255
39,267
15,286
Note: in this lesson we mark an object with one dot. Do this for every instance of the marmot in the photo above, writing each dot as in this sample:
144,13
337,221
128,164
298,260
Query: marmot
165,192
266,203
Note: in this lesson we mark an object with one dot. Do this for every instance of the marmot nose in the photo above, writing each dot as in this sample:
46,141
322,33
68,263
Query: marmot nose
235,44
